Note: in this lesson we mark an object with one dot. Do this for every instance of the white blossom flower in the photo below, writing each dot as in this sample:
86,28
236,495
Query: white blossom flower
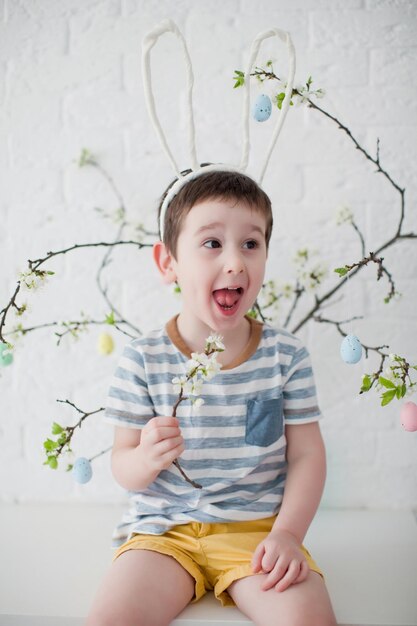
390,374
198,359
197,403
344,215
179,382
199,368
303,94
191,365
196,385
215,342
212,369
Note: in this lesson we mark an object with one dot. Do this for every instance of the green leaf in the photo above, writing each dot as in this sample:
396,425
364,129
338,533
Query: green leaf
110,318
386,383
52,462
50,445
56,429
342,271
239,78
50,273
388,396
62,439
366,383
86,158
279,98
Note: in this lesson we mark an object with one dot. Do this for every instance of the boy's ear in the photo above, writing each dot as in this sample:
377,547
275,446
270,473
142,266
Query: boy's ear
164,262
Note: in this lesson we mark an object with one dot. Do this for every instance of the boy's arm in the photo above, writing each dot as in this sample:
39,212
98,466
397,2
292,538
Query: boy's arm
139,455
279,555
306,475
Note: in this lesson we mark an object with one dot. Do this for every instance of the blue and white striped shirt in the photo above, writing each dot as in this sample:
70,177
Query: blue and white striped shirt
235,444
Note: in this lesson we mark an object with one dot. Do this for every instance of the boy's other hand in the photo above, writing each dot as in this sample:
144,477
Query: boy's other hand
280,557
161,442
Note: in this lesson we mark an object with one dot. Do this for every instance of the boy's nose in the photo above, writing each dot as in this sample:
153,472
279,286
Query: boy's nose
234,263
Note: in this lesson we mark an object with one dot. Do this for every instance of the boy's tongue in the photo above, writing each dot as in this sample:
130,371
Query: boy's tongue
226,297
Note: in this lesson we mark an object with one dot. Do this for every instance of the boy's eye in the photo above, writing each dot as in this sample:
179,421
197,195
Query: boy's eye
251,244
211,243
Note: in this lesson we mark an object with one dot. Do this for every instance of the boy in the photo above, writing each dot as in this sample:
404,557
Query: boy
256,432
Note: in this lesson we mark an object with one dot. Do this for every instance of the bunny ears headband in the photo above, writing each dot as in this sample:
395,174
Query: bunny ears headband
149,41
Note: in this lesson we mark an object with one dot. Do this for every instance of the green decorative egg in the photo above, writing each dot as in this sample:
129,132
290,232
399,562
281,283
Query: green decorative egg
6,357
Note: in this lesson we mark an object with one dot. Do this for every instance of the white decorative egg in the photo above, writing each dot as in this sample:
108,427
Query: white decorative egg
351,349
262,107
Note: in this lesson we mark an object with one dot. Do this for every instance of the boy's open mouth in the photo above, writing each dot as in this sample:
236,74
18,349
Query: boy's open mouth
228,298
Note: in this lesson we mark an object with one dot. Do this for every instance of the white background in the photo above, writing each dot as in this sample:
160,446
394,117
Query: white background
70,78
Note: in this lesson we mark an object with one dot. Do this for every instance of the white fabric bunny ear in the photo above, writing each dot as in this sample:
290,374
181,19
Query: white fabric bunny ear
148,43
285,37
196,170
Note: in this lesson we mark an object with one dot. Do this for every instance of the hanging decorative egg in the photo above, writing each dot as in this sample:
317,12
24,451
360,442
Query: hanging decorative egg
105,343
408,415
82,470
262,107
5,359
351,349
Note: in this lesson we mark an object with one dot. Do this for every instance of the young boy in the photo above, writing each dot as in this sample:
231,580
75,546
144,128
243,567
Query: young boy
254,446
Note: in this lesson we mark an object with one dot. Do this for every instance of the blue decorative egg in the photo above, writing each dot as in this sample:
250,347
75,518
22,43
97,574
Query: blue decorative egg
351,349
82,470
5,359
262,107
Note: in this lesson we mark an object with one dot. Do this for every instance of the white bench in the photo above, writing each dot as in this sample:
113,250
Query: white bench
54,556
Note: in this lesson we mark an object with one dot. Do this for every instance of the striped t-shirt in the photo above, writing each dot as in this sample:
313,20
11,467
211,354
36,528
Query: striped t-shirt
234,443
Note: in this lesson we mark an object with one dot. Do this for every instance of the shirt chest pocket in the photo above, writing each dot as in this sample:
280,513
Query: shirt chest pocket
264,421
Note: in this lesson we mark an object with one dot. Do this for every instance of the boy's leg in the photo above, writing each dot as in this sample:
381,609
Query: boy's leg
142,588
302,604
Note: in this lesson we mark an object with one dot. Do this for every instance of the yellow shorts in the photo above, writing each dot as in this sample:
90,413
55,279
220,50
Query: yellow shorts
215,555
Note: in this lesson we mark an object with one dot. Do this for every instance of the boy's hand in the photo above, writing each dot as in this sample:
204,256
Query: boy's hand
161,442
280,556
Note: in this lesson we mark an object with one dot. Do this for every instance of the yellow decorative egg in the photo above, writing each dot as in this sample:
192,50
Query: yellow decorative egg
105,343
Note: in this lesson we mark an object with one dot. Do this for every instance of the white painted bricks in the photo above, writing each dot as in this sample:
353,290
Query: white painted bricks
70,79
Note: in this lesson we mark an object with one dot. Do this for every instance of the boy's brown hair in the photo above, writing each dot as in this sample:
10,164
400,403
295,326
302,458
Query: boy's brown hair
223,185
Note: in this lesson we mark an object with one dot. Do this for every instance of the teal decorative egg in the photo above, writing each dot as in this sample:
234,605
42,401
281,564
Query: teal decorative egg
5,359
262,107
82,470
351,349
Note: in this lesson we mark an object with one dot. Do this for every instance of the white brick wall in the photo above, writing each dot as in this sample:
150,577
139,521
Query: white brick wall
70,78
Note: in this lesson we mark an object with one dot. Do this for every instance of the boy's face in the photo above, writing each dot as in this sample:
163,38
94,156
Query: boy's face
220,265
